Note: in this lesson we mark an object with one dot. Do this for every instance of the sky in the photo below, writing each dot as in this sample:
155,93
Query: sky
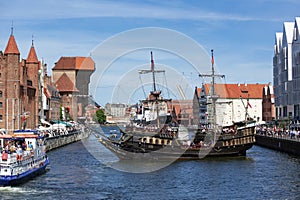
241,32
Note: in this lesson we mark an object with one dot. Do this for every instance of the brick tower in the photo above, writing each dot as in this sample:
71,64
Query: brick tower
32,106
11,80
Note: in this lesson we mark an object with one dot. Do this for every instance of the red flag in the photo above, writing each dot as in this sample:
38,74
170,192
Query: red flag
249,105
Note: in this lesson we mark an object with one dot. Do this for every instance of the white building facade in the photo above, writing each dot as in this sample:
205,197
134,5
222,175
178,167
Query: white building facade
234,101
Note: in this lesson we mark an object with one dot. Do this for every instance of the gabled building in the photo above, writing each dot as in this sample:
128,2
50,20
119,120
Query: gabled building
283,72
296,70
286,71
268,103
234,101
51,99
71,76
183,110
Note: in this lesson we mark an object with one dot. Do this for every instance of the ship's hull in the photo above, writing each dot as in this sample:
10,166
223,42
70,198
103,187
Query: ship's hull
27,175
148,145
176,153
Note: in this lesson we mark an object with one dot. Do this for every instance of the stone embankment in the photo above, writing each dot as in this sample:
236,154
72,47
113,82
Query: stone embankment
282,143
62,140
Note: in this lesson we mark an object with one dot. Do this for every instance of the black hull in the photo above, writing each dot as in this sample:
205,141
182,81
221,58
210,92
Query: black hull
146,145
178,153
22,178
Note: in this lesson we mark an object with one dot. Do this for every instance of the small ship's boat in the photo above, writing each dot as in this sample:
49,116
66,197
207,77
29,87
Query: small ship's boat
155,133
23,157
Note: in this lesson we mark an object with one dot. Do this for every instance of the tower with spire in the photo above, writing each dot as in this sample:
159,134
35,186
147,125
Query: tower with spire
19,83
10,75
32,66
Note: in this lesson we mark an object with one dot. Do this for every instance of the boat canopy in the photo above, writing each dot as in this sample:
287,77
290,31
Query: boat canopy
18,136
61,122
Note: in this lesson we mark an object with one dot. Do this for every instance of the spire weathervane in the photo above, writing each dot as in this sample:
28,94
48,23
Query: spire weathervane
12,27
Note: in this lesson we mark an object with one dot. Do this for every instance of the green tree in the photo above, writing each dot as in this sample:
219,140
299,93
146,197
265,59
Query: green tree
100,117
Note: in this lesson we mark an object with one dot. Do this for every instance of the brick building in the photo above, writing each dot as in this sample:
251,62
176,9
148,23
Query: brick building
18,87
71,76
268,105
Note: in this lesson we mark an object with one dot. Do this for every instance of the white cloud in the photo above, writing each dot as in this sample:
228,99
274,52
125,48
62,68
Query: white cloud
65,9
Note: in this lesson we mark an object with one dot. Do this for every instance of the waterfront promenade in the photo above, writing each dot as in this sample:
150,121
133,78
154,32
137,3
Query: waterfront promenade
287,141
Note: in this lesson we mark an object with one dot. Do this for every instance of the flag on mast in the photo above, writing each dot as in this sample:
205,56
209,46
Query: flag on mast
249,105
152,62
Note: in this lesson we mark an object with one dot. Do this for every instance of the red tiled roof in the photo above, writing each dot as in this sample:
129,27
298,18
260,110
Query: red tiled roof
177,109
64,84
11,47
199,91
234,91
32,57
75,63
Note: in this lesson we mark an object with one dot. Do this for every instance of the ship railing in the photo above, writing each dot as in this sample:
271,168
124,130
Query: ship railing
8,158
11,158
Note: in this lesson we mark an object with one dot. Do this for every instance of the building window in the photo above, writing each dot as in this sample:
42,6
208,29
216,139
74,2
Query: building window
284,111
0,94
29,82
1,118
1,105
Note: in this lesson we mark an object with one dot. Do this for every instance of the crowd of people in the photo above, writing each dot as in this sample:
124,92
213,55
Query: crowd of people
292,132
20,148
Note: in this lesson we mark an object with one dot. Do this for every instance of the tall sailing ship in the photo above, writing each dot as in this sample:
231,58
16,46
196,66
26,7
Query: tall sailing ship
155,132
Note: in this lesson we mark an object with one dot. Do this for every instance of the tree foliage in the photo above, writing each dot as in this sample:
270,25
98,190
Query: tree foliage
100,117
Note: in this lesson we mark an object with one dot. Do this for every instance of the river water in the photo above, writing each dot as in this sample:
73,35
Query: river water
76,174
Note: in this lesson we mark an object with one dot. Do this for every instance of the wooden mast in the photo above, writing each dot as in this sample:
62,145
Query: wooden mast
214,96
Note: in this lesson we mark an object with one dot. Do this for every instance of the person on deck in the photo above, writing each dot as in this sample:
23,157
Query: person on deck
19,152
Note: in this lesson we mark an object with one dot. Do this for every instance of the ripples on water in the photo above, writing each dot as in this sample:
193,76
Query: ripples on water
75,174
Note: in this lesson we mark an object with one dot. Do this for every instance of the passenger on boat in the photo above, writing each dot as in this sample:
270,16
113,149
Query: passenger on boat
19,152
24,146
30,146
12,148
6,147
4,155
